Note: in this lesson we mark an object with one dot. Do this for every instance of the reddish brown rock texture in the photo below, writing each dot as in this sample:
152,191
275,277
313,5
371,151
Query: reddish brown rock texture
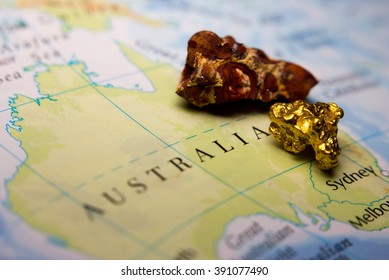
221,70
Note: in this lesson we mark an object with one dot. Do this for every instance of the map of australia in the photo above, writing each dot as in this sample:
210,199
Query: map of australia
109,184
118,166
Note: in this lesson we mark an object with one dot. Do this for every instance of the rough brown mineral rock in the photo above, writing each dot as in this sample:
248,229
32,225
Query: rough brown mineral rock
221,70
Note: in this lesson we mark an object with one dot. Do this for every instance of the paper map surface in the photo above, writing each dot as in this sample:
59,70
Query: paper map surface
99,158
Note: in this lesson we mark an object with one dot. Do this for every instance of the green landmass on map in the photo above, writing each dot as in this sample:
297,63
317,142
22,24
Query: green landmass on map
118,173
92,15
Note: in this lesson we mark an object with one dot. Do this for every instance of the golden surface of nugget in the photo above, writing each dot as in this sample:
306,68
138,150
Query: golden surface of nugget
221,70
299,124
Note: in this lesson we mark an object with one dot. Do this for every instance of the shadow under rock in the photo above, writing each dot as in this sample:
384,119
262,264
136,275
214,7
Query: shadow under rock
231,109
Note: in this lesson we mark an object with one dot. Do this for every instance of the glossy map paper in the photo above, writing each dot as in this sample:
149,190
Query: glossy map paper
100,159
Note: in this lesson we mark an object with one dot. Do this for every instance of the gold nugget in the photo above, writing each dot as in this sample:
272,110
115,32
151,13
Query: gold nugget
219,70
299,124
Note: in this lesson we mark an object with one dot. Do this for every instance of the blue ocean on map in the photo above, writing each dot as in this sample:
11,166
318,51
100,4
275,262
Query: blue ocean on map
271,238
368,131
15,245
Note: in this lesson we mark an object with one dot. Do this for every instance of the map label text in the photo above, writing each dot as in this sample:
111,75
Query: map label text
348,179
369,215
225,148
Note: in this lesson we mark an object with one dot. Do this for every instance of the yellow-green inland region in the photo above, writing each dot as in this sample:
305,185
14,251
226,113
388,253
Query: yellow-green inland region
90,14
123,174
94,177
358,190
